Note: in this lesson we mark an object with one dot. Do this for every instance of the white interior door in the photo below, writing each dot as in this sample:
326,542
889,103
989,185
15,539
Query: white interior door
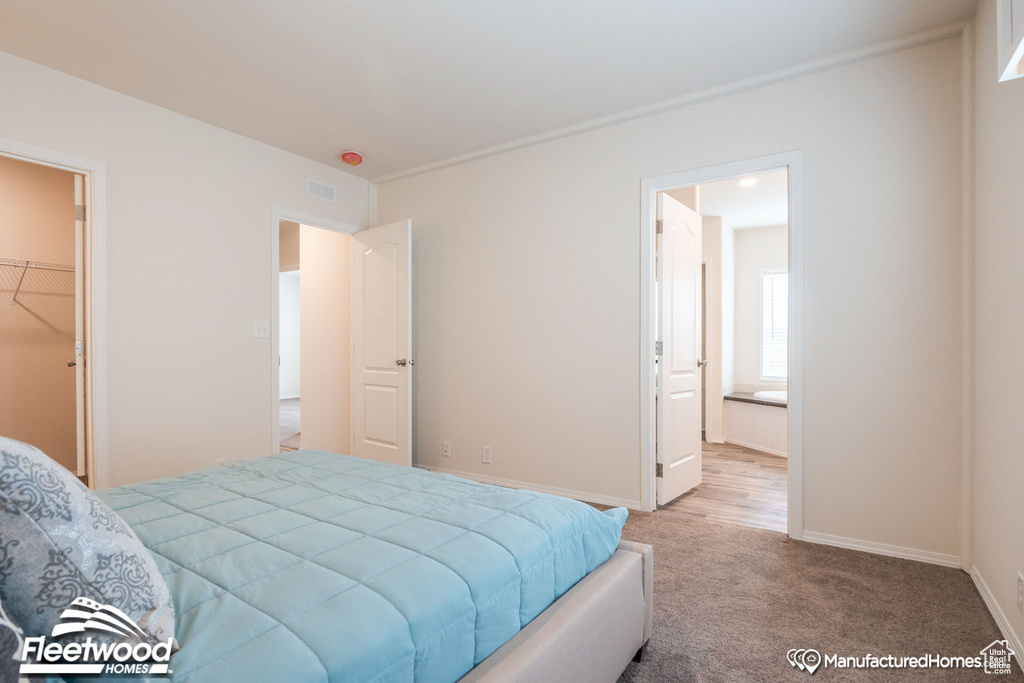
325,320
679,323
80,360
381,343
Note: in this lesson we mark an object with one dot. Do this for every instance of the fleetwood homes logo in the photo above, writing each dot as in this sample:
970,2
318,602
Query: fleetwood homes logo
134,655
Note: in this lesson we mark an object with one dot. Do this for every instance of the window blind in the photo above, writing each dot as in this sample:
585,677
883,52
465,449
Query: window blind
774,325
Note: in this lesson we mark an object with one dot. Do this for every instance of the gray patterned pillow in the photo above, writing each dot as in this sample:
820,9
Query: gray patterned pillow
58,542
11,641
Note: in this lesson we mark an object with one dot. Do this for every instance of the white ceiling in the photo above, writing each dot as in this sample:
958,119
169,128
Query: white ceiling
408,82
762,204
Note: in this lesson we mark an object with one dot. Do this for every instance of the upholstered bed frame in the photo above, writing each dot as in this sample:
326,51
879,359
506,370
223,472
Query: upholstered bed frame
589,634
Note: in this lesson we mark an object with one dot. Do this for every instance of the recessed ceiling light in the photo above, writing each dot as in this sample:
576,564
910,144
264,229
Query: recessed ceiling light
747,182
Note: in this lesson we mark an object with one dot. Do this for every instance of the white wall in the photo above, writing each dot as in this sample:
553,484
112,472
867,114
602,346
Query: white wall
711,244
289,321
728,309
999,325
189,209
527,277
756,249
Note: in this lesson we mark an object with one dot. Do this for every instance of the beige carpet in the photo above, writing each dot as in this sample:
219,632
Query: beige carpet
731,601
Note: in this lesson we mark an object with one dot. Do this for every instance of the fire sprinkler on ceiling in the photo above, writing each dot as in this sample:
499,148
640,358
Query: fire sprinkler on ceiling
352,158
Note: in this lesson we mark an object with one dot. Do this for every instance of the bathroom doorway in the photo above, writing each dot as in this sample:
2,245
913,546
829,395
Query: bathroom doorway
745,345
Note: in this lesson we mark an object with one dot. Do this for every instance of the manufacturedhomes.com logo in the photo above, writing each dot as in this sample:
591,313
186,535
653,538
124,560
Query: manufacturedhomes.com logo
994,658
134,655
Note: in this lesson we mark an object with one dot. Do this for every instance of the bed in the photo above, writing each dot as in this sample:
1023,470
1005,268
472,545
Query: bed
313,566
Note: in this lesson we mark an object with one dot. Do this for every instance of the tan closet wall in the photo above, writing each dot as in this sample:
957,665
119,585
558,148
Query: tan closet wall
37,333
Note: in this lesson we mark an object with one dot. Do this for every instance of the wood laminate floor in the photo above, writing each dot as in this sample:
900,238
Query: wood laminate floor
741,486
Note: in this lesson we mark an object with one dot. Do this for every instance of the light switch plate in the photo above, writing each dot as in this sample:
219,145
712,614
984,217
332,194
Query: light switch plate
260,330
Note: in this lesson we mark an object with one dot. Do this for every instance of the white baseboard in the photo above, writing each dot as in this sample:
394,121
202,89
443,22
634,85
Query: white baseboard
997,613
883,549
513,484
754,447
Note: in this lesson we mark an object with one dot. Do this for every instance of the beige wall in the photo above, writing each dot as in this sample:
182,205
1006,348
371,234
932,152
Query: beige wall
687,196
527,279
189,265
999,325
37,335
288,250
756,250
326,338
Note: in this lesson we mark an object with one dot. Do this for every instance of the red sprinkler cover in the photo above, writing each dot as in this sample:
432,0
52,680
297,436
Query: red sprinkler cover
352,158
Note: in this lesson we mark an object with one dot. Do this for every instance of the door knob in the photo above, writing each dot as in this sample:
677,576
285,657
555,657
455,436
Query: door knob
72,363
400,362
700,363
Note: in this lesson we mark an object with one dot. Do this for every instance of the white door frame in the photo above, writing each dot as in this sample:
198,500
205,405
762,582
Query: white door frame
649,188
282,213
96,442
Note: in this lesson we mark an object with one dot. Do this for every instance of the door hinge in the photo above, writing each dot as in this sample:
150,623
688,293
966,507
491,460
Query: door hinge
660,226
79,212
658,470
657,348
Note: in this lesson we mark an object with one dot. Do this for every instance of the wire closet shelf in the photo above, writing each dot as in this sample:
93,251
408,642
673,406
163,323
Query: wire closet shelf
25,266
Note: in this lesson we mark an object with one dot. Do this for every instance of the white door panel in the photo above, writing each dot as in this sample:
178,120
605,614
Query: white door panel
679,381
381,297
82,465
325,332
382,343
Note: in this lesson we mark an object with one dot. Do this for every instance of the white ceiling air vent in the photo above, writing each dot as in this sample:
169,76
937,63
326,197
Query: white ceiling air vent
319,190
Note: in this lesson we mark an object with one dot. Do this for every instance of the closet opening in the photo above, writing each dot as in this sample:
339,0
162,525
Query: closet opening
43,311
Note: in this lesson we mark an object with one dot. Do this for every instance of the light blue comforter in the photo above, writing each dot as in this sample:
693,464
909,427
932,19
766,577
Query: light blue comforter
311,566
